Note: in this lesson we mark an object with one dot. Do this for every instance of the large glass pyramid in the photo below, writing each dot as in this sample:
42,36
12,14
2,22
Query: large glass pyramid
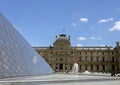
17,57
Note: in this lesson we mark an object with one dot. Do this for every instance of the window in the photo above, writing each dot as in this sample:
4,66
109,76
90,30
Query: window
103,67
112,53
85,58
80,67
113,60
85,67
80,59
51,52
56,52
97,67
71,52
91,67
91,58
61,66
56,67
103,59
113,67
61,59
97,59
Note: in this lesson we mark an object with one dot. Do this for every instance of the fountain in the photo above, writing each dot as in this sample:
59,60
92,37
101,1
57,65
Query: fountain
87,72
75,68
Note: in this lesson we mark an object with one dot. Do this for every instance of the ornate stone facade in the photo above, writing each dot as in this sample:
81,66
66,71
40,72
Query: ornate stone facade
61,56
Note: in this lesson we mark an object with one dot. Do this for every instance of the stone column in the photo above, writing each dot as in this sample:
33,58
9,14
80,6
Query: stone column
94,68
100,68
83,67
89,67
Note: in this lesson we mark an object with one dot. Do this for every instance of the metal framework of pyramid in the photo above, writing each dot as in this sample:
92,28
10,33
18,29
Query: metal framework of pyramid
17,57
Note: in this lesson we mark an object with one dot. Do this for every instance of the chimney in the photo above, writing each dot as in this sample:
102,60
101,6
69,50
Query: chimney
56,36
69,37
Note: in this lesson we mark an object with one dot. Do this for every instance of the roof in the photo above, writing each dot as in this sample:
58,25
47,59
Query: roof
62,38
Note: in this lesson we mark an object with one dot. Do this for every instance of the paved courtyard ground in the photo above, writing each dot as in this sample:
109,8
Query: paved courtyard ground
64,79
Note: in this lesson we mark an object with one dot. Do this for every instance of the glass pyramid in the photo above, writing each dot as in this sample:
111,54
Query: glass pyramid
17,57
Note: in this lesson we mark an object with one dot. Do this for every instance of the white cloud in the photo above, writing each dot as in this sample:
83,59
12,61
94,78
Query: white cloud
34,59
81,38
84,19
105,20
92,28
116,26
74,24
79,45
95,38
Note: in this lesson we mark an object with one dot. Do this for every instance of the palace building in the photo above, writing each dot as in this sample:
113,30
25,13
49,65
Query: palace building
61,56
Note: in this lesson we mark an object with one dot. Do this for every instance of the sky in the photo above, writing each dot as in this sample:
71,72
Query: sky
88,22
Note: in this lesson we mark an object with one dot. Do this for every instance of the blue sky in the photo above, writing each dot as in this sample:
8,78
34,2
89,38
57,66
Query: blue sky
88,22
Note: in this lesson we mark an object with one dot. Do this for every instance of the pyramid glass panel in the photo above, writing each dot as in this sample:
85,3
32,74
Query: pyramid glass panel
17,57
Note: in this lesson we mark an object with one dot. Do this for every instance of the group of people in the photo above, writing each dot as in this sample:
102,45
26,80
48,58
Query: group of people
115,73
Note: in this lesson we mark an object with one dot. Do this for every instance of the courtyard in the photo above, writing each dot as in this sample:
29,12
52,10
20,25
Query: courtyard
63,79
